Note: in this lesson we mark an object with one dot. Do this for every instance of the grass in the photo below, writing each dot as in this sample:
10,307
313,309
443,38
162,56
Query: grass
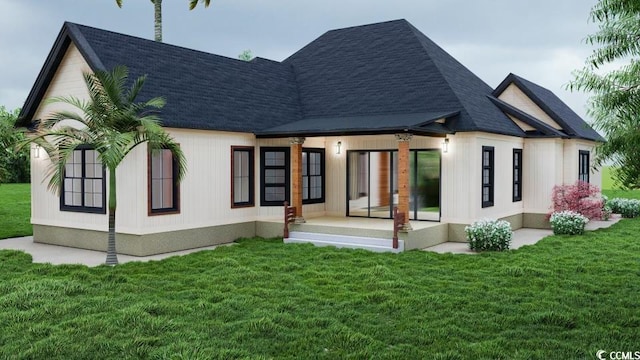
15,210
612,191
607,179
565,297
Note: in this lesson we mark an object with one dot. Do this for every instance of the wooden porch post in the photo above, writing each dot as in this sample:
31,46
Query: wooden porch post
296,176
403,176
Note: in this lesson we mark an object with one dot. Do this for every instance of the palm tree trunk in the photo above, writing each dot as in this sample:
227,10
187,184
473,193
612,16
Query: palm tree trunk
158,19
112,257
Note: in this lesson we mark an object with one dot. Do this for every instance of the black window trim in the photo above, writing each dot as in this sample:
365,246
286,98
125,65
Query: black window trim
287,174
582,154
251,151
517,168
85,209
491,168
322,174
175,209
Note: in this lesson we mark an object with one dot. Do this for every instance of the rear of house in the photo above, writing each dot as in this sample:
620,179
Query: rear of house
359,121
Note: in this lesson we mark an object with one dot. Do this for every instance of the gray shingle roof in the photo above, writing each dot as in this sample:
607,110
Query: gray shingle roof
365,79
571,123
202,91
391,68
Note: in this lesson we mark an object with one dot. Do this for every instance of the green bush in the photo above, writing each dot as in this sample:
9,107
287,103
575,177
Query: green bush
568,223
492,235
628,208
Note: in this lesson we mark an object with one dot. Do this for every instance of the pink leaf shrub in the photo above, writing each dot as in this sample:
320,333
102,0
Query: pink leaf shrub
580,197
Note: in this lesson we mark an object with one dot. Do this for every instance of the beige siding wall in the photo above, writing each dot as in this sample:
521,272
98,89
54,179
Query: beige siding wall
68,81
461,180
45,204
543,169
515,97
572,148
205,192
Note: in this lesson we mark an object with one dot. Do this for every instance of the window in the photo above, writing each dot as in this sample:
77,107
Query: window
487,176
583,166
312,176
164,192
242,176
274,176
517,175
84,188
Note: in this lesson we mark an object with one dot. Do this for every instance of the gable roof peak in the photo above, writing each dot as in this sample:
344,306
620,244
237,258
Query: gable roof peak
552,105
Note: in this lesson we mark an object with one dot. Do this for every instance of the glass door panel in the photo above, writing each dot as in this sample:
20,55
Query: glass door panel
358,184
425,185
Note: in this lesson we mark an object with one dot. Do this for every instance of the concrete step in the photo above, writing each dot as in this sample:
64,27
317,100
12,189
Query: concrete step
344,241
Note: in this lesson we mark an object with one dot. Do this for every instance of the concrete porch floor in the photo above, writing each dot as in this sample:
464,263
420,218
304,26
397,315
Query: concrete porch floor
365,223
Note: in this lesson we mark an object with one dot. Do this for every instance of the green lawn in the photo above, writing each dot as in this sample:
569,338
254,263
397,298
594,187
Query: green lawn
607,179
566,297
15,210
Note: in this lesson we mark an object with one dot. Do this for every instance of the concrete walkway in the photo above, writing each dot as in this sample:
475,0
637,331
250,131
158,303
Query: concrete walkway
53,254
44,253
521,237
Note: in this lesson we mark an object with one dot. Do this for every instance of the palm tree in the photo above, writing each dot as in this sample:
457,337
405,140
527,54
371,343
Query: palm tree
157,4
113,124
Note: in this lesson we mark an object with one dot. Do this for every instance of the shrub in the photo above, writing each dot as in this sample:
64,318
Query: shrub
494,235
581,197
628,208
568,223
606,213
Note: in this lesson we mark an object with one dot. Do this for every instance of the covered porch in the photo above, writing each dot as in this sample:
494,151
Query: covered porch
370,166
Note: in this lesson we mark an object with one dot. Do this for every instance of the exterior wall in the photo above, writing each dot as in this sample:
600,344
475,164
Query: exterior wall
572,148
276,212
514,96
543,169
205,192
144,245
461,178
45,205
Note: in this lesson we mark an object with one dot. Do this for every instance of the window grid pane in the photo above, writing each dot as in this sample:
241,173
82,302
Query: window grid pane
487,176
162,180
312,175
242,178
82,185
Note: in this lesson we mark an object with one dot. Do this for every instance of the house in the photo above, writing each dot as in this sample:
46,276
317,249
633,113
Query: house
359,121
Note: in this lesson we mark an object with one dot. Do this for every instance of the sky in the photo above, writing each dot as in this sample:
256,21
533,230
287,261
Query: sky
542,40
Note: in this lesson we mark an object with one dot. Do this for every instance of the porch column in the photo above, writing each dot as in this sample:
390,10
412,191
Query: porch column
403,176
296,176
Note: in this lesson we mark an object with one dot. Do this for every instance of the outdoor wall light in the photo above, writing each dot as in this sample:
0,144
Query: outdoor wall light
445,145
338,146
36,151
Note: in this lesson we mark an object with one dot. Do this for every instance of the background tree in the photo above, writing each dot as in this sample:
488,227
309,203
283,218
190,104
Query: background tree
615,95
113,124
157,5
246,55
14,161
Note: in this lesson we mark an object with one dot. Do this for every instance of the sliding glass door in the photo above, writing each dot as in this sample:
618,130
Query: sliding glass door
372,185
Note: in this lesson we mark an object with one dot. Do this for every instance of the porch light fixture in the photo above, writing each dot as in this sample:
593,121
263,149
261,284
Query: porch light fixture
36,151
338,146
445,145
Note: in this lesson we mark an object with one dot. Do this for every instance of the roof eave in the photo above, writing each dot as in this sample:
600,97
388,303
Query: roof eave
433,132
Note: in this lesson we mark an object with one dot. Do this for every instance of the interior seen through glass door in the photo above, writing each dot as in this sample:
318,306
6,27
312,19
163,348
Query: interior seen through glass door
373,184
